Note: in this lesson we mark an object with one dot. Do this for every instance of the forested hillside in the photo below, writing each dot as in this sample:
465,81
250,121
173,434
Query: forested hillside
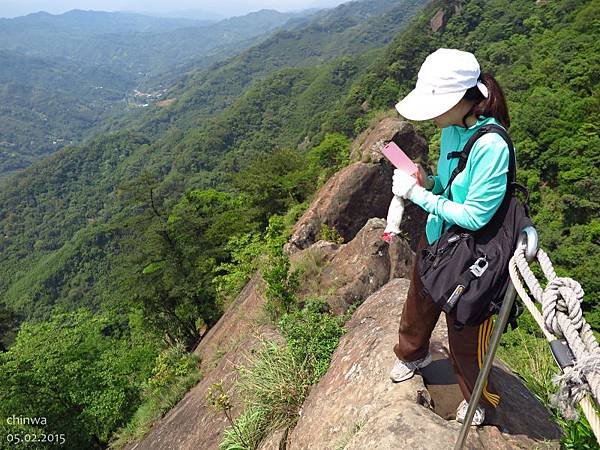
130,42
55,203
65,77
156,227
46,104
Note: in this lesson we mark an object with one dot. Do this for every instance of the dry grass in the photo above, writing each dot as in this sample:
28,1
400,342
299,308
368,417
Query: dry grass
310,263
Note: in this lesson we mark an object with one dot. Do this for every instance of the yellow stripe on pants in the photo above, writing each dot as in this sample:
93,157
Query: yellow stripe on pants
485,331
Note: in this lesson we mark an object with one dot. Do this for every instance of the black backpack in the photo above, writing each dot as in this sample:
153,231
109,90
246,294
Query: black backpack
466,272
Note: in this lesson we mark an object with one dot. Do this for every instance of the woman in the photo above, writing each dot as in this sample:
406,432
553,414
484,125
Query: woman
453,93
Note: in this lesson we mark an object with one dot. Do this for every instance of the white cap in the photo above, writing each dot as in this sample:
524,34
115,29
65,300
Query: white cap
443,79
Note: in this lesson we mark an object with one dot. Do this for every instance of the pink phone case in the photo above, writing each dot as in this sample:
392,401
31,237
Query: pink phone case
399,159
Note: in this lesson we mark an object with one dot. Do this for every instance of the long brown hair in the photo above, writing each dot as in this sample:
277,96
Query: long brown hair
492,106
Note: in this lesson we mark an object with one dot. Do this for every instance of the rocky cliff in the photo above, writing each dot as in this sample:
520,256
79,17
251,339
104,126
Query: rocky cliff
355,406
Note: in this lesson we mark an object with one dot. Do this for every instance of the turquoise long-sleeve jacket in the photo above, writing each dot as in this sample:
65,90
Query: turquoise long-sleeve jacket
477,191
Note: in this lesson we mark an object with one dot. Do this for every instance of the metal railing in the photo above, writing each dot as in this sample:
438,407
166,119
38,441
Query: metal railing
528,238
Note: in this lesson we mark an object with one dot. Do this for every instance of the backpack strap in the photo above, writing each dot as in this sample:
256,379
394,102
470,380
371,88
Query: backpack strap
464,156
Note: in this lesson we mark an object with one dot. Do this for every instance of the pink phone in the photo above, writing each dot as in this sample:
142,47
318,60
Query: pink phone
399,159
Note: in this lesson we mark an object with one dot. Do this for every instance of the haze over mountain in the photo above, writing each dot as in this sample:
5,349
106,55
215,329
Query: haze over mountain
82,68
207,10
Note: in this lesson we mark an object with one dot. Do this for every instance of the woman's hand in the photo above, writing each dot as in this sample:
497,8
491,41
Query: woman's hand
402,183
423,179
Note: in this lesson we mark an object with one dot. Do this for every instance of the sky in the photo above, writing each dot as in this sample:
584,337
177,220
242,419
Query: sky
225,8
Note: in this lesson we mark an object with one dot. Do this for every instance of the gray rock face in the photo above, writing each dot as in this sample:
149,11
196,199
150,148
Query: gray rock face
355,406
360,267
367,146
438,21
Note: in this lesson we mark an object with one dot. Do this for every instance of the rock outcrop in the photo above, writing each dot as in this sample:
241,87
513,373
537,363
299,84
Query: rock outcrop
346,201
355,406
357,269
367,146
362,190
438,21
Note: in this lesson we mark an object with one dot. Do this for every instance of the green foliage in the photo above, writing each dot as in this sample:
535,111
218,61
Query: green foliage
175,256
8,327
281,282
312,334
252,251
175,371
231,277
330,234
274,383
247,433
332,152
275,181
82,372
170,364
203,220
578,435
217,399
528,354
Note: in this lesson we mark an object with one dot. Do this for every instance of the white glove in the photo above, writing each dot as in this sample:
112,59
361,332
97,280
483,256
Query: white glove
394,217
402,183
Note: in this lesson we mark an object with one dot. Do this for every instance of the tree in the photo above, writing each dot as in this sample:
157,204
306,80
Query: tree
79,371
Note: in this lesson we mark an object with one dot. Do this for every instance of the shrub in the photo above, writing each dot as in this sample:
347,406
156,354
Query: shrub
281,282
330,234
312,335
175,372
231,277
276,382
247,432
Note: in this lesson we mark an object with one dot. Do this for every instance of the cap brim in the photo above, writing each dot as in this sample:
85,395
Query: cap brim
419,106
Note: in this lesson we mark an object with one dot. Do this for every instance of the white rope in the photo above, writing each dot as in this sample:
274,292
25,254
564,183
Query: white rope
562,317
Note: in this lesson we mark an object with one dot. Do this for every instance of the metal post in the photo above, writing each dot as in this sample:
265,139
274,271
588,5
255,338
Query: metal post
528,238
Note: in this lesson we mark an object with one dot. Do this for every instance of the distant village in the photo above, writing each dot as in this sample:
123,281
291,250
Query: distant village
144,99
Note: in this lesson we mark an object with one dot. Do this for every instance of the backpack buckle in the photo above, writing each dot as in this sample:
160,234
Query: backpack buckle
479,266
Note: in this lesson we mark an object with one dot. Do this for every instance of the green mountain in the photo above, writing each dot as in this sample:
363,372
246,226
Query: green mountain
350,29
60,203
154,227
88,23
81,68
129,42
46,104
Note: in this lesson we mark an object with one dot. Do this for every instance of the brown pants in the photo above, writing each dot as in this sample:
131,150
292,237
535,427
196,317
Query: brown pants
467,346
